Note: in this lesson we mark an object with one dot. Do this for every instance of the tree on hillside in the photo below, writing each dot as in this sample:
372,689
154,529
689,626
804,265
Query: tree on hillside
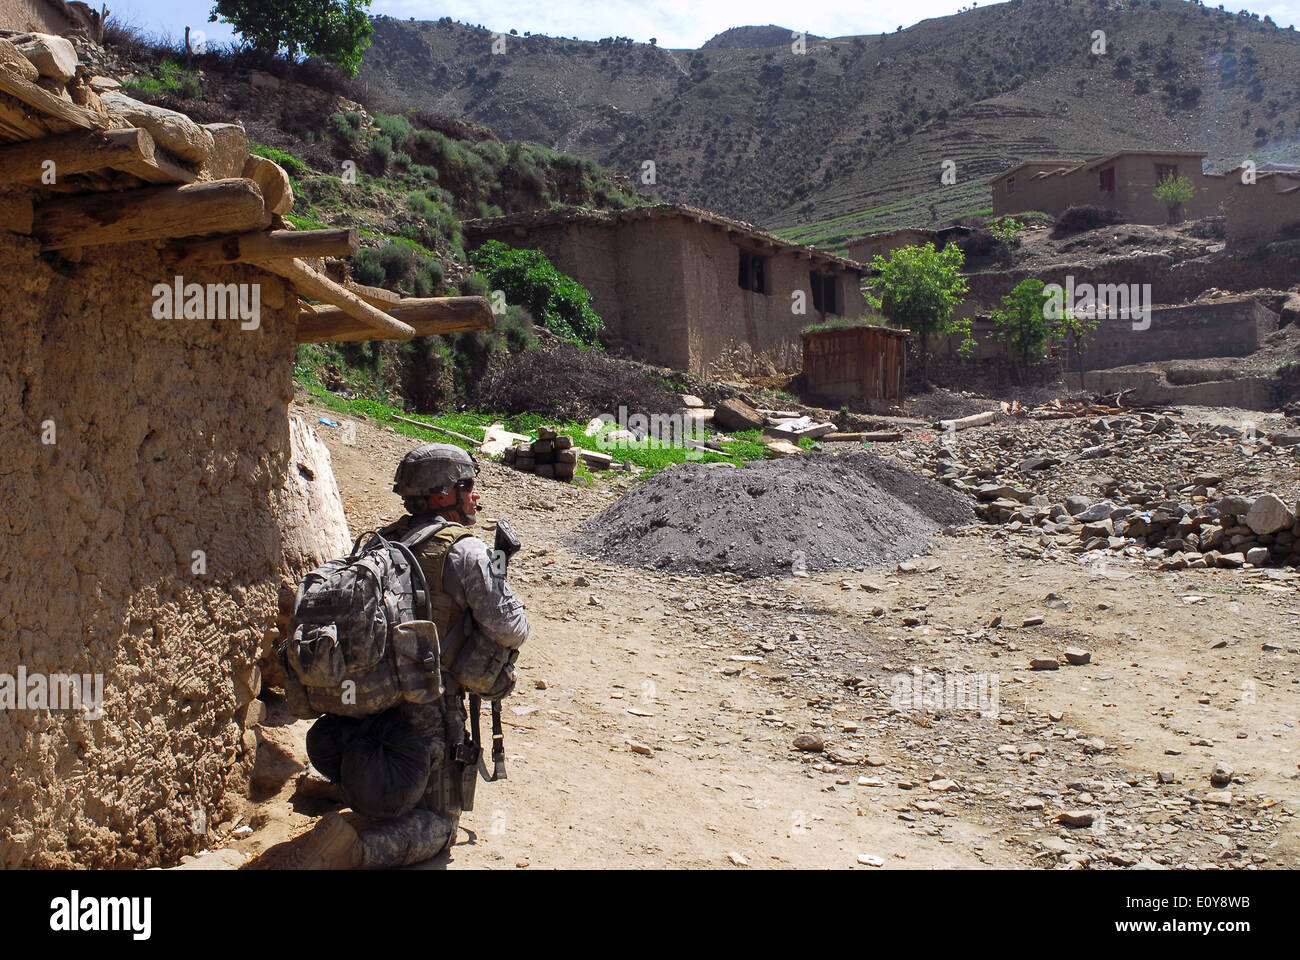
1075,332
1021,323
337,31
920,287
1174,191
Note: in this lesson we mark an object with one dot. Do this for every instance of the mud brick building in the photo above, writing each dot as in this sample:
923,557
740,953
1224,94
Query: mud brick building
1125,181
682,287
150,479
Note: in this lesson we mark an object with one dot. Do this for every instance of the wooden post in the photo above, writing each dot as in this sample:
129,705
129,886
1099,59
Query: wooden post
261,246
132,150
152,213
318,287
426,316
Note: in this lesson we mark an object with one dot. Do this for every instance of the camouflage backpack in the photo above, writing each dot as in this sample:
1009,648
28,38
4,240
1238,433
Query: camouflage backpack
362,637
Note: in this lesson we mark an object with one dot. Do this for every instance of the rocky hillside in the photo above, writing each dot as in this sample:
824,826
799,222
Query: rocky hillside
395,173
852,134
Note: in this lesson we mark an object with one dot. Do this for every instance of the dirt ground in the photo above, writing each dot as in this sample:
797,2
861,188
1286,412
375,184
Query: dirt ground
656,714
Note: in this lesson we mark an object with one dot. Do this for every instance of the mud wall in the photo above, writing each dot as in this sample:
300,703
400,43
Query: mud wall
723,316
1220,328
1259,213
130,443
32,15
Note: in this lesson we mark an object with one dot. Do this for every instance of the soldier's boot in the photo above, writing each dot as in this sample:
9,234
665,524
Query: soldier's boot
416,835
333,844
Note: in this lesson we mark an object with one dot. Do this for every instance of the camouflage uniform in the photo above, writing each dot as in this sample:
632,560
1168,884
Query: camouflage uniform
468,583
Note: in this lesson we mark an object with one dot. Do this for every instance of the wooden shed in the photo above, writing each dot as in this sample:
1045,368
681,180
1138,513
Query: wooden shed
855,363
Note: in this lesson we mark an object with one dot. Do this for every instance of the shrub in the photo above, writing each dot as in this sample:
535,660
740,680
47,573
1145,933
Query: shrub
397,128
569,383
1085,217
530,279
398,264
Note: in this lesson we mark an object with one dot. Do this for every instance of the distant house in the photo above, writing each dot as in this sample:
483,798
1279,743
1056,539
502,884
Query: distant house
1263,211
1125,181
865,249
682,287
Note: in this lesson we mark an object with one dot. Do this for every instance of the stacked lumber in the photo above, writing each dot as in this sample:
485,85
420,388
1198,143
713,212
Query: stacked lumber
551,455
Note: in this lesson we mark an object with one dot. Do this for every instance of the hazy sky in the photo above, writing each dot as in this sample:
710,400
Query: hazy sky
675,23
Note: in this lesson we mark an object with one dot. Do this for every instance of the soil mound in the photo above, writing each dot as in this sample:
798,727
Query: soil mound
826,511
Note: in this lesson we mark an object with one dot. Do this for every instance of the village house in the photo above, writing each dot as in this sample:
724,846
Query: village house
1124,181
157,496
866,248
1263,211
682,287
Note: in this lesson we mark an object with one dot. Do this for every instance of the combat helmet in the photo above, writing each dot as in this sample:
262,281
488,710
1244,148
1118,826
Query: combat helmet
433,468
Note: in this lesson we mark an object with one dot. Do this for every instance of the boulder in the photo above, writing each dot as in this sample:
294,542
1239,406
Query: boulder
736,414
1290,311
1076,505
1269,514
270,176
1258,556
229,151
1097,511
1233,506
174,132
53,57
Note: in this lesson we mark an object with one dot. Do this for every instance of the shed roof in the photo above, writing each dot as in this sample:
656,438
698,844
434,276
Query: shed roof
659,211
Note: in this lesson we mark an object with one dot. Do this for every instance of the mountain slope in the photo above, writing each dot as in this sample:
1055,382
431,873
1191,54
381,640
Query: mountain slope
853,134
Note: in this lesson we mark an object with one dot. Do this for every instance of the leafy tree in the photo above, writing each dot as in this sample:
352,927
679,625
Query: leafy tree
1075,333
920,287
337,31
530,280
1022,324
1174,191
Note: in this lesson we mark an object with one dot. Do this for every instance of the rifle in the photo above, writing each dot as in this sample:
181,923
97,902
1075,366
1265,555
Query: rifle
470,754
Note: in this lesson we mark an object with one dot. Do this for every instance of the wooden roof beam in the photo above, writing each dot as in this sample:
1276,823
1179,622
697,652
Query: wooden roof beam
317,286
46,103
151,213
132,151
426,316
261,246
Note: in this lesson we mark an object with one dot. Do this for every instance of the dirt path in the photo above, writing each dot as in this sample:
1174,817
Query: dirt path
655,714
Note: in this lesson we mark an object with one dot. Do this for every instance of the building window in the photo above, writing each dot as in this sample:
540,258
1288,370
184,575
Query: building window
1107,183
823,288
753,272
1164,170
1011,185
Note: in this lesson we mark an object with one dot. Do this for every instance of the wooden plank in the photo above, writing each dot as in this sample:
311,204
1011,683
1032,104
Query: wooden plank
435,427
426,317
317,286
262,246
131,150
47,103
153,213
375,296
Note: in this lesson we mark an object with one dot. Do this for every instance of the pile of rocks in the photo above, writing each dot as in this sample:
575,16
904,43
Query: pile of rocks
1232,531
550,455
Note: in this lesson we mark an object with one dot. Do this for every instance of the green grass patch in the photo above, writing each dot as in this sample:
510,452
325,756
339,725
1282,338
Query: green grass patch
740,448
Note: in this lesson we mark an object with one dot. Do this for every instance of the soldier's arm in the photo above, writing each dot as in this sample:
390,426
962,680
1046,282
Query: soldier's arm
497,611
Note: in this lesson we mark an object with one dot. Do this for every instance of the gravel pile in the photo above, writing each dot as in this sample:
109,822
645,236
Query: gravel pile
771,517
